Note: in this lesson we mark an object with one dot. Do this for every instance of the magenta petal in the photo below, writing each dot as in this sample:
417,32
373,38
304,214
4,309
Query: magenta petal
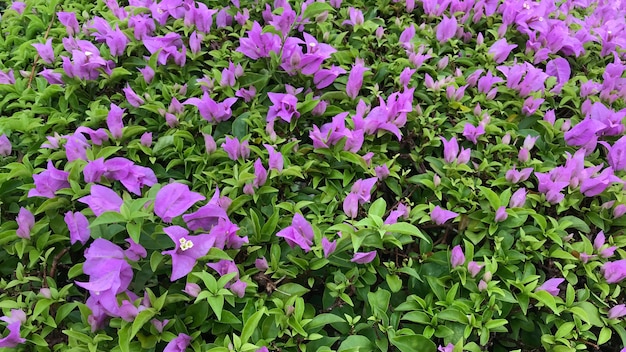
102,199
173,200
78,225
363,257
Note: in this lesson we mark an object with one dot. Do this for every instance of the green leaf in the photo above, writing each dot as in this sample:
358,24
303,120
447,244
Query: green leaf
315,9
417,317
605,335
413,343
405,228
140,320
378,208
75,271
492,197
394,282
357,343
572,221
108,217
217,304
250,325
588,312
324,319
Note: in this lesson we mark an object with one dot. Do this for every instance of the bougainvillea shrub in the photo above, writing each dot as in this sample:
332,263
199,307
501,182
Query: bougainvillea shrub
352,175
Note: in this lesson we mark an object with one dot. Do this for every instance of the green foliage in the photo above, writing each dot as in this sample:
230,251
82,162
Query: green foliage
410,296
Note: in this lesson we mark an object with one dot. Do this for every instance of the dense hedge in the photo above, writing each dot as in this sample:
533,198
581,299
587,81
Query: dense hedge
309,176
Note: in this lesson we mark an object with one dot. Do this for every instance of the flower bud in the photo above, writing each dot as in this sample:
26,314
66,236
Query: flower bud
482,285
192,289
488,276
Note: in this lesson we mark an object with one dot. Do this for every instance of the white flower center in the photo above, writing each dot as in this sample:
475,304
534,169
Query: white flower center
185,244
88,53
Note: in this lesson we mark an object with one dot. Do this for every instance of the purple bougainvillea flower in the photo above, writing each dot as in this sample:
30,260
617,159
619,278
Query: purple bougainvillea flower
211,110
501,214
584,131
515,176
5,145
351,205
614,271
109,275
187,251
78,225
102,199
236,149
448,348
446,29
209,143
97,136
363,257
531,105
617,311
356,17
457,257
551,286
316,54
135,251
15,321
402,211
49,181
117,41
276,160
440,216
472,133
363,188
501,50
179,344
284,107
192,289
355,79
132,97
405,76
94,170
261,264
592,186
328,247
616,155
246,94
518,199
260,174
25,223
51,76
450,149
68,19
45,51
201,17
147,73
474,268
114,121
18,6
598,242
224,267
299,233
325,77
173,200
225,235
259,44
142,24
195,45
7,77
146,139
382,172
207,216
